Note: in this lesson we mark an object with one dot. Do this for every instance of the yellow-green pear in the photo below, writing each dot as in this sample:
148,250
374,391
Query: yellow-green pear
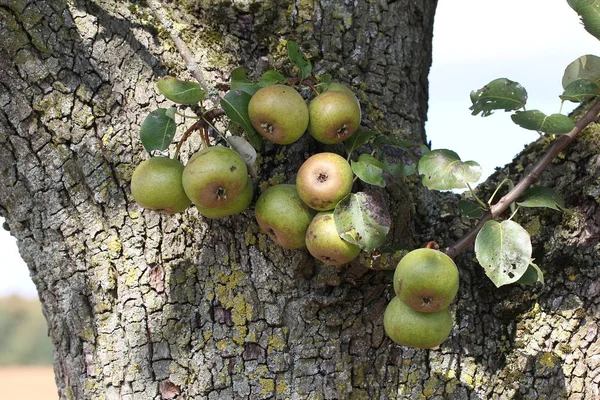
333,117
214,176
411,328
324,242
426,280
323,180
278,113
283,216
156,185
236,206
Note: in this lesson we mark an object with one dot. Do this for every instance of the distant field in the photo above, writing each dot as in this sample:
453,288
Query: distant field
28,383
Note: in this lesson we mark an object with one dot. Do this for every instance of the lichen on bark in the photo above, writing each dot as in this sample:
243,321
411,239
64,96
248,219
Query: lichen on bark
142,305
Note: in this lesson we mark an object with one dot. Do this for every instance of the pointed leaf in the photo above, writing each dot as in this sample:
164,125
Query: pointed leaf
579,91
504,251
157,130
271,78
533,275
180,92
589,11
325,79
443,170
358,138
539,196
235,105
470,209
499,94
382,141
369,170
585,67
396,167
536,120
297,58
363,219
240,82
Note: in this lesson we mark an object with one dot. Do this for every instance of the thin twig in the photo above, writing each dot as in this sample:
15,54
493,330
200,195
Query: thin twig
169,25
196,126
504,203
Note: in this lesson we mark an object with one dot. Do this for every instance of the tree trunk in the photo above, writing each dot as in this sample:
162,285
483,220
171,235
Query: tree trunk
142,305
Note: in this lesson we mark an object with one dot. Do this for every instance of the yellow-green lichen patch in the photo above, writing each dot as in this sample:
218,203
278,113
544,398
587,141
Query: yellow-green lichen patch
267,385
548,360
277,341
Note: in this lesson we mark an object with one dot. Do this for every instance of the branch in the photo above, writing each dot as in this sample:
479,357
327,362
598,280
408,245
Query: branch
497,209
160,13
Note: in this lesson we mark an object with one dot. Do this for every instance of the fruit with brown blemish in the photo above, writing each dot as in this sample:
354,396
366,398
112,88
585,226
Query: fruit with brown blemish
278,113
324,242
323,180
214,176
426,280
236,206
156,185
283,216
333,116
411,328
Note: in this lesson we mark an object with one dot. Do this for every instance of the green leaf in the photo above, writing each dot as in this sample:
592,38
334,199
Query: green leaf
363,219
579,91
443,170
470,209
382,141
298,59
358,138
235,105
324,79
536,120
499,94
171,112
240,82
271,78
157,130
532,275
585,67
539,196
180,92
589,11
396,167
369,170
504,251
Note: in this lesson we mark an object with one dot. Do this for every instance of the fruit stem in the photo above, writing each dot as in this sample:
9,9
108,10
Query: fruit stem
215,128
196,126
481,203
310,85
187,116
504,203
498,188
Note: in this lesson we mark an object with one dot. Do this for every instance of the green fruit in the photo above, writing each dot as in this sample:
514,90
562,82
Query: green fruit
338,87
214,176
283,216
156,185
333,117
278,113
324,242
323,180
411,328
236,206
426,280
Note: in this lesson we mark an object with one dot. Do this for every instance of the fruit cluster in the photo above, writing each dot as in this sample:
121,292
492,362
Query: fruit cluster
425,283
298,215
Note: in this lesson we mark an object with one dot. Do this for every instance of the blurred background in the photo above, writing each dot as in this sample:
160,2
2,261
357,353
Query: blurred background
475,41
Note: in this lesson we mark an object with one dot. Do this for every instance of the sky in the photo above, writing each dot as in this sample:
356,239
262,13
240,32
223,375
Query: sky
475,42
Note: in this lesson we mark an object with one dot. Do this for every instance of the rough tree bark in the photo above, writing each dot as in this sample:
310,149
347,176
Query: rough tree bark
146,306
